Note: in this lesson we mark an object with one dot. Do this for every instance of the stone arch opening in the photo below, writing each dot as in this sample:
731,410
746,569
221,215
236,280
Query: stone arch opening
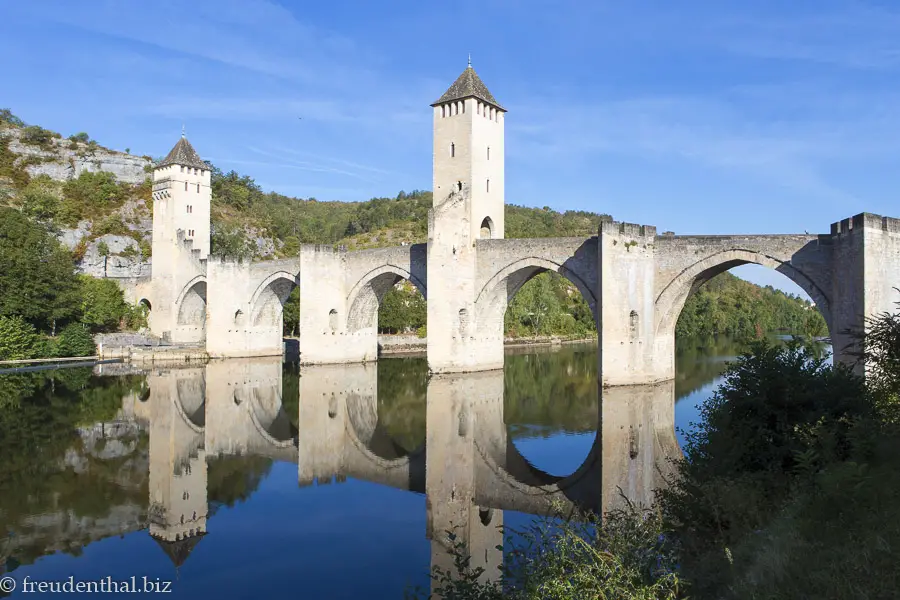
192,308
145,304
532,294
271,417
389,300
191,401
671,301
276,304
487,229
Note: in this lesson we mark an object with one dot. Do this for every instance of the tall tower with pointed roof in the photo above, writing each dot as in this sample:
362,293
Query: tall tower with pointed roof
181,198
469,152
468,206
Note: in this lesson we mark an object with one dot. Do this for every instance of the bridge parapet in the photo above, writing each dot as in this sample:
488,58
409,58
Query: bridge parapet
627,229
864,221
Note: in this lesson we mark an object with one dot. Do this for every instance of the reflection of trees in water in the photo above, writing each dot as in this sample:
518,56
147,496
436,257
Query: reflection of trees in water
402,386
552,391
39,423
699,360
233,479
290,391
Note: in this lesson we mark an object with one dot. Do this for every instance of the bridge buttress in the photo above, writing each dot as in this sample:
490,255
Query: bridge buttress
630,352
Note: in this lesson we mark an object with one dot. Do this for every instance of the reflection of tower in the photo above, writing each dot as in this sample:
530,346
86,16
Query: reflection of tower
450,483
178,497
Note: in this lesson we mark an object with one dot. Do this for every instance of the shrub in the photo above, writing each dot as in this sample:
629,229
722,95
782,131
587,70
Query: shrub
80,137
39,199
136,317
630,555
7,118
422,332
46,347
17,338
75,340
91,195
33,135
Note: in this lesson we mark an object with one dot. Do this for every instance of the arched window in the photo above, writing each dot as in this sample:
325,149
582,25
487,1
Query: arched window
488,186
452,149
459,186
487,229
185,186
489,153
333,320
463,321
443,110
198,188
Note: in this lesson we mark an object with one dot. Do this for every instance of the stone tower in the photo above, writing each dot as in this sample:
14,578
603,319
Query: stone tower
468,205
469,152
181,229
181,198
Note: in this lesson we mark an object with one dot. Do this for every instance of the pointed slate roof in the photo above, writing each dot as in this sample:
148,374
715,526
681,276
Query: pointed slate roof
468,85
183,154
179,551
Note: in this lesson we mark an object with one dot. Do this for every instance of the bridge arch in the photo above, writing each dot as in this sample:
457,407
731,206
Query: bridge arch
191,307
268,299
271,420
190,402
494,295
670,301
366,294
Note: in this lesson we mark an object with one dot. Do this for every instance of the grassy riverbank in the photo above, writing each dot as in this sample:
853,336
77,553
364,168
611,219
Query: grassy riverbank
789,488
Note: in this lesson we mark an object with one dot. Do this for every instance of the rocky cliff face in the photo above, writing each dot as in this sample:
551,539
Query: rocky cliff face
67,160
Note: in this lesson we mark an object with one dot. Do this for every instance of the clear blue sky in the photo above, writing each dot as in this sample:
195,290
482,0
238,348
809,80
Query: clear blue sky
695,116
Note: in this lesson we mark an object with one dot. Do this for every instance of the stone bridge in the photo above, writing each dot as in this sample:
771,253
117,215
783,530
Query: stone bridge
635,280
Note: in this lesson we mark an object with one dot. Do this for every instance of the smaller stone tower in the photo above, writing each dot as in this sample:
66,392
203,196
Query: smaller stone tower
181,198
181,228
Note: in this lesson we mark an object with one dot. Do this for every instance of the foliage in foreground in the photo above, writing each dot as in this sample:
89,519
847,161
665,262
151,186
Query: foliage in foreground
632,555
789,488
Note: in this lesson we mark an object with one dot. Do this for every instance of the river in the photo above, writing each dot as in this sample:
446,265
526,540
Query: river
219,480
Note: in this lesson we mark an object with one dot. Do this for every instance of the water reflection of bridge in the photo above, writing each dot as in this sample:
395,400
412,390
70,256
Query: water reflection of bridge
467,465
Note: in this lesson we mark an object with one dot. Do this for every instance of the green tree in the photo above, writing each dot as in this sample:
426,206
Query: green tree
75,340
39,199
7,118
402,309
37,278
229,241
102,303
91,195
292,313
80,137
17,338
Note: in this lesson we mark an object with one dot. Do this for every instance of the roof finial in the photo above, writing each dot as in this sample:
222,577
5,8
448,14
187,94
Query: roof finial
182,130
470,59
